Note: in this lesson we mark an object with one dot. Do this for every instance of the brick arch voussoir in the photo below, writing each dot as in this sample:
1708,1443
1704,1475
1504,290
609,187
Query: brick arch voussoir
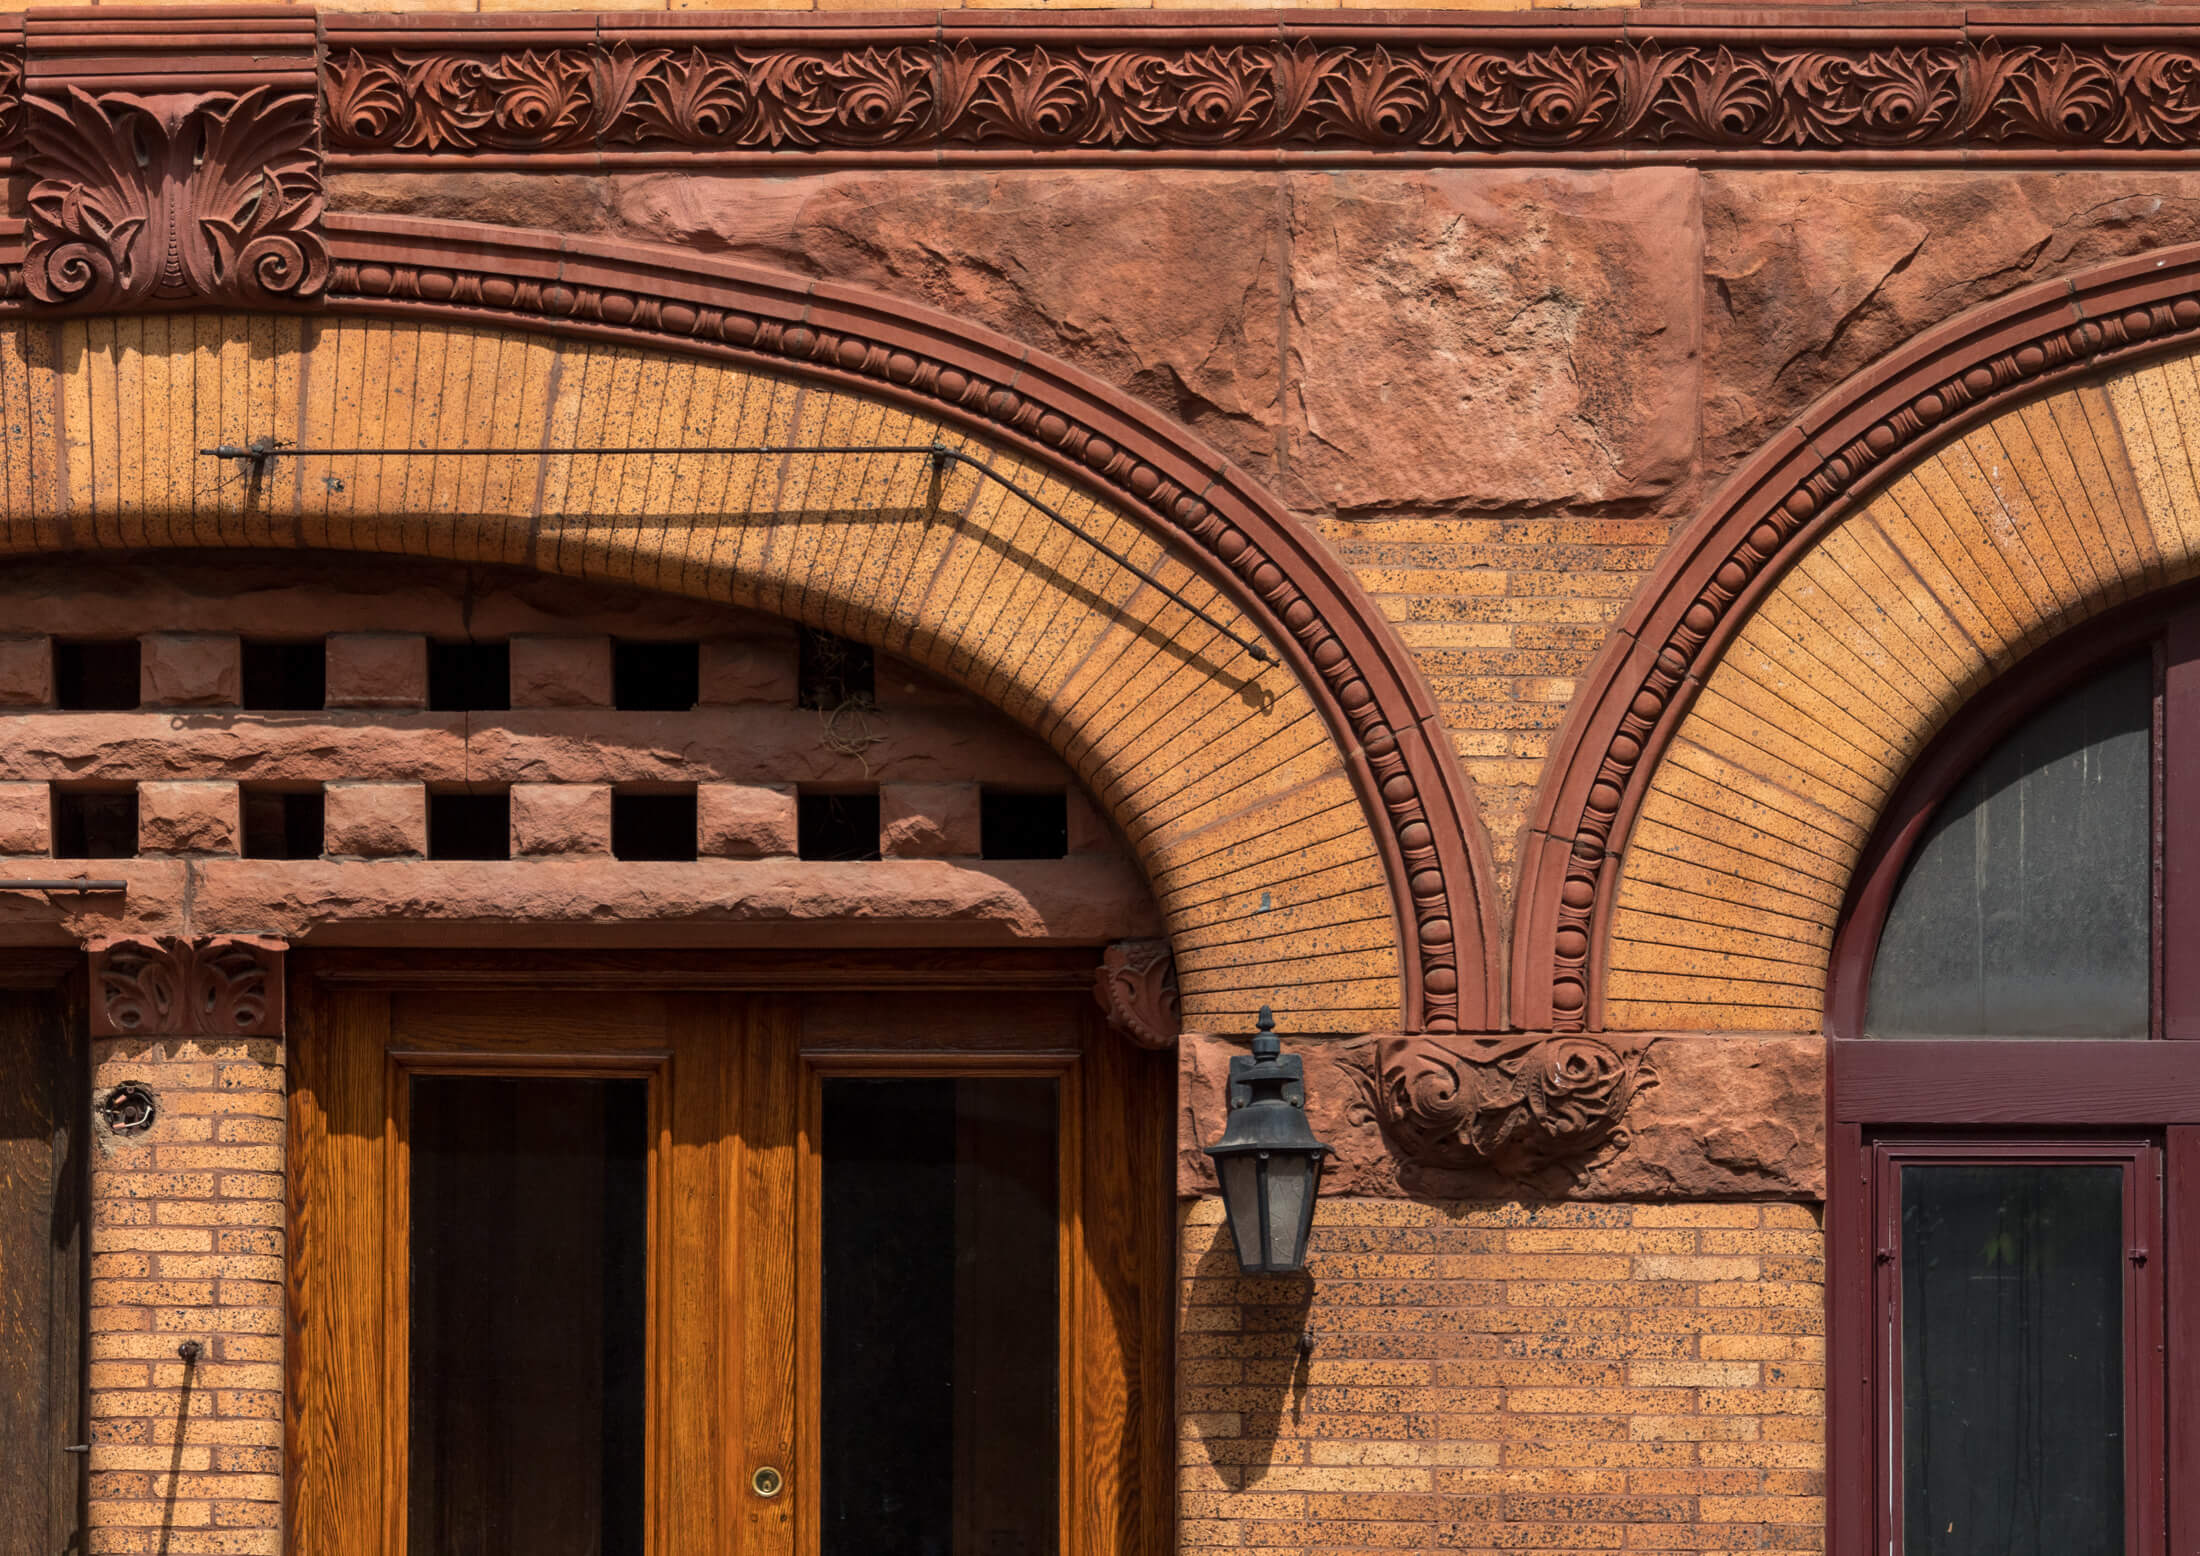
1418,805
1766,517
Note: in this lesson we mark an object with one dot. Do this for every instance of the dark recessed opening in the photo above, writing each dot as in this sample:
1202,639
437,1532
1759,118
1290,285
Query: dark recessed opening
836,825
285,677
656,677
95,675
282,823
470,826
95,823
1023,824
466,677
834,672
653,826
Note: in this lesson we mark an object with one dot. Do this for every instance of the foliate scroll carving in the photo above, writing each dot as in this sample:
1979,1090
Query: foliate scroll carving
1434,91
1135,985
1516,1104
201,197
225,986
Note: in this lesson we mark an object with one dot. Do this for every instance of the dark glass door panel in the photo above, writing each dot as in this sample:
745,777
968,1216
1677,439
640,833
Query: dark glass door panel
940,1359
530,1205
2012,1360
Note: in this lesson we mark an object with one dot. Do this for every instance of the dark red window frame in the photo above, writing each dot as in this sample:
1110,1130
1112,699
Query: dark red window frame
2017,1097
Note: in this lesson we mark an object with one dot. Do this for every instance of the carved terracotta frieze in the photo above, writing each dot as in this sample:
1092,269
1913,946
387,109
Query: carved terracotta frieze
1135,986
1227,89
200,197
1513,1104
220,986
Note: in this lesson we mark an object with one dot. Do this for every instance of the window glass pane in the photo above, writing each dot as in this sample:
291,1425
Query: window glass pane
2012,1361
530,1201
940,1355
2027,909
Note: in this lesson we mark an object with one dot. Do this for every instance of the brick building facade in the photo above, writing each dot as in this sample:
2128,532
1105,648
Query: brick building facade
779,570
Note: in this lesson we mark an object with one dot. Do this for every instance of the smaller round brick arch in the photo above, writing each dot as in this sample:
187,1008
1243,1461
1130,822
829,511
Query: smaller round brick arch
1912,535
885,371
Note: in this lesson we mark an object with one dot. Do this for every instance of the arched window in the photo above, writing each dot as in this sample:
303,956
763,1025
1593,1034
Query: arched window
2014,1163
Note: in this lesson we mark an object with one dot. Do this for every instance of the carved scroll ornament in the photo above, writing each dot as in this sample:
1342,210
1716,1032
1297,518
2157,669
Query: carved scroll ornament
177,197
224,986
1135,985
1515,1104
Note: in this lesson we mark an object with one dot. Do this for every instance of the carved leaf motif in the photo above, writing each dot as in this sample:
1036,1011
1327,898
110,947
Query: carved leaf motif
1374,98
1721,99
1222,95
1135,986
202,197
1515,1105
171,987
1032,97
692,99
367,102
2160,97
2060,97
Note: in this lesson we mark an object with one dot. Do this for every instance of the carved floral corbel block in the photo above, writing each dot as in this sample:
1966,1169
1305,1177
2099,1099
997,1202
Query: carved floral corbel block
1517,1104
1135,986
198,197
222,986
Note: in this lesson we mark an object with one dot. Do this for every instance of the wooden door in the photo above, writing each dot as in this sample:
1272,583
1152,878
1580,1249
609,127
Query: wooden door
736,1084
43,1114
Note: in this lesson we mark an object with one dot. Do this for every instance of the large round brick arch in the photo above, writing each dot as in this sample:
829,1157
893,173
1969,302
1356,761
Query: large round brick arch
1309,842
1911,536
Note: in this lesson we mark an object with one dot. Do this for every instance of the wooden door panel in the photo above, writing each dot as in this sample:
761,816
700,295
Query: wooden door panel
339,1139
734,1338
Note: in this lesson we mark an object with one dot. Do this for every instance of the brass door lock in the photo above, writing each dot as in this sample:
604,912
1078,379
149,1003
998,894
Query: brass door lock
767,1481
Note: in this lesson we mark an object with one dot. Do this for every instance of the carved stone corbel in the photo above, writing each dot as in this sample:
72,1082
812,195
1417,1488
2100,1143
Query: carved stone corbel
1135,986
174,197
1516,1104
221,986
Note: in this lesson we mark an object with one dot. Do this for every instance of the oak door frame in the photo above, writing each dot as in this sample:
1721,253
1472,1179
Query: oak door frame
1116,1316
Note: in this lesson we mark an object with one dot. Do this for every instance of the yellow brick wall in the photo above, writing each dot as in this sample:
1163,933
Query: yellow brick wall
1492,1377
187,1244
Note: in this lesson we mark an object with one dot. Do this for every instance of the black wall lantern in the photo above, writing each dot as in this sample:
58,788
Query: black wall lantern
1268,1160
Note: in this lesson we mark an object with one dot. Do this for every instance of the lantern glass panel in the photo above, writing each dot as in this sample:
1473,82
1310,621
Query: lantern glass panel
1240,1176
1290,1191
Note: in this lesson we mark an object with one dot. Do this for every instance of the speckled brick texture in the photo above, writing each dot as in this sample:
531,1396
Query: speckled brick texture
1500,1377
187,1244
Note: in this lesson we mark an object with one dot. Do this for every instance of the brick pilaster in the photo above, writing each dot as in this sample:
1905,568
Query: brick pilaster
187,1246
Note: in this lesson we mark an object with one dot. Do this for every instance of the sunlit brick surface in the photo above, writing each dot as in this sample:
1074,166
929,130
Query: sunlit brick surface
1491,1377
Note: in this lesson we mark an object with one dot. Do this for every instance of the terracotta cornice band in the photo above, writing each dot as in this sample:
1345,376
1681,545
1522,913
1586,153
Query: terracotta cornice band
1282,88
1772,511
1278,88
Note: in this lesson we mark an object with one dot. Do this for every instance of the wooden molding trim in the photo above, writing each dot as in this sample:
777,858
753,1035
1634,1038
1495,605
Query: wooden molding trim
222,986
1769,514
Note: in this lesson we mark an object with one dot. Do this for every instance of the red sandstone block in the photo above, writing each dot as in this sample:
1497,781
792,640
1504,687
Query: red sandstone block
561,672
190,670
561,818
376,820
26,819
1089,832
188,818
749,670
26,672
744,820
928,820
377,670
